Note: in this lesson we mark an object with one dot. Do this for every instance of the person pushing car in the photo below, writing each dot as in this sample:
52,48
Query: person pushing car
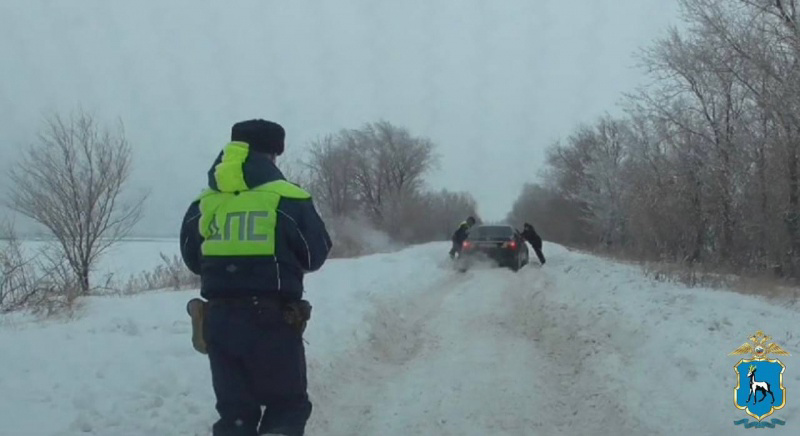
533,238
460,235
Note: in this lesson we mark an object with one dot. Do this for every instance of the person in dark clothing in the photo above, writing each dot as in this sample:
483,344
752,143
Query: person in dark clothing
460,235
533,238
251,236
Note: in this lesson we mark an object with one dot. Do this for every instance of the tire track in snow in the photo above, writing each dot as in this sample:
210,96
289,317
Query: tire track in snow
585,355
397,324
347,391
442,362
490,351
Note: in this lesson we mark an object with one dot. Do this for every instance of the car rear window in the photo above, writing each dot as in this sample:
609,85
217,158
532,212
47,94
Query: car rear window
491,232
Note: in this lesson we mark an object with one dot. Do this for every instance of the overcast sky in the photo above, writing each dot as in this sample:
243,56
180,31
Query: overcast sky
493,83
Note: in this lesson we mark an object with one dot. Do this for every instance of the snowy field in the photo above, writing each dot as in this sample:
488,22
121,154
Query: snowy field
125,259
399,344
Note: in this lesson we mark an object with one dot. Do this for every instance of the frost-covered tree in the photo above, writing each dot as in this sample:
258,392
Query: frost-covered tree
705,164
71,181
375,175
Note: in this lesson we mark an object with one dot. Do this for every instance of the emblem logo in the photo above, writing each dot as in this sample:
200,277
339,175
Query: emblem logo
759,387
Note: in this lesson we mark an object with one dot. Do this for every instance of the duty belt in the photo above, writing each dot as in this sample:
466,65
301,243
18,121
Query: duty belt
265,302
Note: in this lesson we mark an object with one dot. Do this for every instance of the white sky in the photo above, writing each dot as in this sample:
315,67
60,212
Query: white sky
493,83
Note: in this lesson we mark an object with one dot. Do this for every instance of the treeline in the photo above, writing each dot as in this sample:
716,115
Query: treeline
704,165
369,183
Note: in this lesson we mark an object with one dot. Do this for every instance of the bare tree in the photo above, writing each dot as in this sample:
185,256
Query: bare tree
293,168
71,182
429,216
601,191
331,167
586,171
370,168
763,40
374,176
388,163
705,167
447,209
555,217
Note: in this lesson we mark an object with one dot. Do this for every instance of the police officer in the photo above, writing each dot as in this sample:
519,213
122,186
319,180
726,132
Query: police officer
251,236
460,235
530,235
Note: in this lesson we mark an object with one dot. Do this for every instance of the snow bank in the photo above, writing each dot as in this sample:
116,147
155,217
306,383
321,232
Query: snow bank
645,357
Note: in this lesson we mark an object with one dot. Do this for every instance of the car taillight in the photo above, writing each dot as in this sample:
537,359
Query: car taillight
466,245
512,245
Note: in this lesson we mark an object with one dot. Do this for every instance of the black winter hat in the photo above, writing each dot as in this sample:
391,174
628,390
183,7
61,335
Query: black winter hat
262,135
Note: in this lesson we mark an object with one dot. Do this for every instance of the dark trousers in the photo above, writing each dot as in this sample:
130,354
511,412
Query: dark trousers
257,360
539,254
456,249
536,243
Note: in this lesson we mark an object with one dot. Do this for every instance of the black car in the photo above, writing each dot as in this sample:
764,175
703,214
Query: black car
502,244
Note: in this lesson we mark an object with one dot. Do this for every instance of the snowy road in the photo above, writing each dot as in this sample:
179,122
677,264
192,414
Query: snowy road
581,347
482,353
399,344
440,361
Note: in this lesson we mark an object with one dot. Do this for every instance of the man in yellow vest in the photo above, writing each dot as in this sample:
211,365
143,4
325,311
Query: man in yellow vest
460,235
251,236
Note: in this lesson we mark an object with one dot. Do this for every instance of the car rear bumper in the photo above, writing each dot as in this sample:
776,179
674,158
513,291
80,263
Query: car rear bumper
501,256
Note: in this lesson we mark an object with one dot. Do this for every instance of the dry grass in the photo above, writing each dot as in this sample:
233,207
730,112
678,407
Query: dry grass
765,285
39,282
171,274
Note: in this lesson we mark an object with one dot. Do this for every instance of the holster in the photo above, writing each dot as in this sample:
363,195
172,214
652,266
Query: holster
297,314
197,311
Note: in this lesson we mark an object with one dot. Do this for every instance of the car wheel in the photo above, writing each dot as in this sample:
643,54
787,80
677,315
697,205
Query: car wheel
516,266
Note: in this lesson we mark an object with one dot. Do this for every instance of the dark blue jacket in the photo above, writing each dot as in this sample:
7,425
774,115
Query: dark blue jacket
461,233
302,245
530,235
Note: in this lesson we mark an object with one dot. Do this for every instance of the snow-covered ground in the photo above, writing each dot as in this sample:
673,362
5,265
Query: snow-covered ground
122,260
400,344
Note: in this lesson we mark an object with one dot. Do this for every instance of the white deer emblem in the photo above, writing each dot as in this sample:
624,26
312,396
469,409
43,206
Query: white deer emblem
758,386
